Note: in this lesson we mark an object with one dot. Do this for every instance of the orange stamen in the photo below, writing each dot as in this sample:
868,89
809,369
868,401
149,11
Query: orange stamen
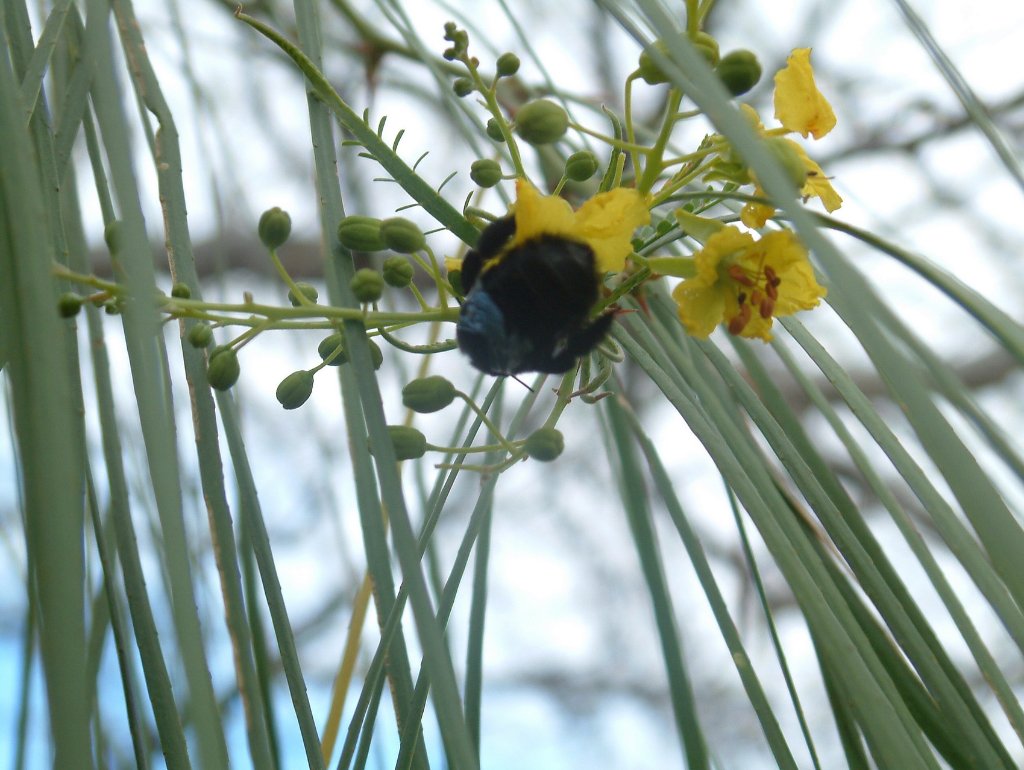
737,274
738,322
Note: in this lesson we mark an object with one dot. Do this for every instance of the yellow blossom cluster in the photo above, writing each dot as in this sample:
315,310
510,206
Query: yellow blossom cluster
737,279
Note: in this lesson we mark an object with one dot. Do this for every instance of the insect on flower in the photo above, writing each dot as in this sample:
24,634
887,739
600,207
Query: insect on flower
528,304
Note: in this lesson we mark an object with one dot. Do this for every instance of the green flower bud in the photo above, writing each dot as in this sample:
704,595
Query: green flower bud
739,71
200,335
463,87
376,354
367,284
485,173
308,291
112,237
409,443
274,228
580,166
785,152
397,272
459,39
541,122
428,394
402,235
361,234
651,71
113,306
294,389
327,347
68,304
544,444
493,129
507,64
223,369
181,290
706,45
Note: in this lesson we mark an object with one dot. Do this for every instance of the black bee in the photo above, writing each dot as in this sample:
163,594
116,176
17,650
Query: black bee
528,309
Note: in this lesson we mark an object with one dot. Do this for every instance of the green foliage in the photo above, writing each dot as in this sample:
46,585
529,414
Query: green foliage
875,486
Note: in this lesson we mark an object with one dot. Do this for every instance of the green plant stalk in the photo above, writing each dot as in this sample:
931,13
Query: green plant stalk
634,500
338,273
862,552
390,627
149,378
915,541
886,722
36,344
167,162
762,597
158,683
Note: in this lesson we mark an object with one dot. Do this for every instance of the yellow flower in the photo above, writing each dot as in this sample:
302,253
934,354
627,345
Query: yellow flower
817,186
746,283
605,222
799,105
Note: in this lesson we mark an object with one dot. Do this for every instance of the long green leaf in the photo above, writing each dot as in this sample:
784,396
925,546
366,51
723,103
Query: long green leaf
149,377
48,432
634,499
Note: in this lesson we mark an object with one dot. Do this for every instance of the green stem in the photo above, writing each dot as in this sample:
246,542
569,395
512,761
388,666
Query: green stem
495,431
654,165
299,294
630,146
693,17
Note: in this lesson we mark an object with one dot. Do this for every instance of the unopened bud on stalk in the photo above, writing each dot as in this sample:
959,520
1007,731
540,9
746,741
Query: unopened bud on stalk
739,71
274,227
409,443
545,444
397,272
402,235
485,172
541,122
200,335
223,369
367,284
361,233
295,389
308,291
580,166
428,394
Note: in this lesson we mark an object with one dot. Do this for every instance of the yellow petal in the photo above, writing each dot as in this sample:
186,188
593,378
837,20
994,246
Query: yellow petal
798,289
819,186
799,105
606,223
701,306
452,264
726,242
706,299
758,327
538,214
